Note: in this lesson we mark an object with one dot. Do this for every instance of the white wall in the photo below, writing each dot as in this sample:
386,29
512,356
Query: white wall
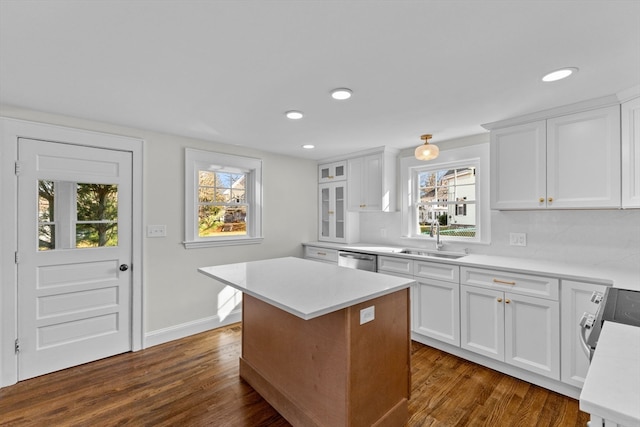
607,238
177,298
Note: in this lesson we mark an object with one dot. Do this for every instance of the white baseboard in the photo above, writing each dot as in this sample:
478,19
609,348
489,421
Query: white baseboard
161,336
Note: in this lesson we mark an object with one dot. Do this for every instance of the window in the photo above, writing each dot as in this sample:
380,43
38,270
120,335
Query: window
445,195
223,199
76,215
449,191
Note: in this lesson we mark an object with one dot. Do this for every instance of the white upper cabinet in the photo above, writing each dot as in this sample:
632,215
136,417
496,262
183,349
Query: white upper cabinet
518,166
329,172
371,180
583,159
570,161
631,153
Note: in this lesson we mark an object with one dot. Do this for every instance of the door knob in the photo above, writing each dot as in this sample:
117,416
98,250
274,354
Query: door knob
124,267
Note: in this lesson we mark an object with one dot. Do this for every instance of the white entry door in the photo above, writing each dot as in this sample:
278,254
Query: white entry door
74,252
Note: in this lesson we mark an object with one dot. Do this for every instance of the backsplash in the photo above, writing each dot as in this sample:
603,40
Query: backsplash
607,238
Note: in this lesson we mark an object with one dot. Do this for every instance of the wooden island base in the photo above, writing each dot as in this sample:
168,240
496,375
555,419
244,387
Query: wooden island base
330,370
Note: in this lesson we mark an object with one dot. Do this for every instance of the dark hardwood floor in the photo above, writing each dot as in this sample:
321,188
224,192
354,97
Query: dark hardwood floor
194,382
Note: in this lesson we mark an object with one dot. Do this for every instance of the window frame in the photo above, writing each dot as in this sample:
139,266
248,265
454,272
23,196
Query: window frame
476,156
196,160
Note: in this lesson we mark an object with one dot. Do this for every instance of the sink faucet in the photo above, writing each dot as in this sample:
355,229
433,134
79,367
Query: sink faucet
438,242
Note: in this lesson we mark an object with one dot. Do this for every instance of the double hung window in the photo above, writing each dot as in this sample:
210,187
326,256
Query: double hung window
448,191
223,199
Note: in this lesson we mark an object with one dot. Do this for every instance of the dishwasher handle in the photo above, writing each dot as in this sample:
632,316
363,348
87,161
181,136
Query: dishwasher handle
356,256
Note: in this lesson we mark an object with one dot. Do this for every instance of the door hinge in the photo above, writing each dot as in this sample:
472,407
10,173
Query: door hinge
18,167
17,257
17,346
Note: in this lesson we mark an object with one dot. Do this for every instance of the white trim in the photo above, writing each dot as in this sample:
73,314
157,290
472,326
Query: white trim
195,160
10,131
183,330
591,104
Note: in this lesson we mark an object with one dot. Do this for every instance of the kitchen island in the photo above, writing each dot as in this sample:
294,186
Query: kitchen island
324,345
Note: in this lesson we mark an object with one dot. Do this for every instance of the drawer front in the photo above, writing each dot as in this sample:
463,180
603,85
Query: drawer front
321,254
525,284
395,265
435,270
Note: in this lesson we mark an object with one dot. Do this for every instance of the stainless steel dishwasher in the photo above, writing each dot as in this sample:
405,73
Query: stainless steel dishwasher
357,260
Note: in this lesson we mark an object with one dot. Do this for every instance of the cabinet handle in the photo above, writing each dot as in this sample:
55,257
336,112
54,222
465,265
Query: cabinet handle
322,253
507,301
363,206
504,282
550,199
499,299
331,212
541,199
330,177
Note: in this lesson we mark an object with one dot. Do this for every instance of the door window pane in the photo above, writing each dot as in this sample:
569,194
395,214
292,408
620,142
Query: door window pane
46,224
97,215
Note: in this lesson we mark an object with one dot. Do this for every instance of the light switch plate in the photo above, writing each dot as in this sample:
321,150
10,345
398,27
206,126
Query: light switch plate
367,314
156,231
518,239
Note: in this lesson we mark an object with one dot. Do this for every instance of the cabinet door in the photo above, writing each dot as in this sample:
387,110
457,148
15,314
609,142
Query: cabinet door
482,321
365,183
583,160
518,174
631,154
436,313
575,298
532,334
330,172
332,212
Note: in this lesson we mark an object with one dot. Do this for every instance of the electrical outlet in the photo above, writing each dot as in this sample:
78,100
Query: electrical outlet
367,314
156,231
518,239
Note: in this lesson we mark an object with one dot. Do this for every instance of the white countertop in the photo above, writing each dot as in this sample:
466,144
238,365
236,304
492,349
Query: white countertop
305,288
612,387
625,279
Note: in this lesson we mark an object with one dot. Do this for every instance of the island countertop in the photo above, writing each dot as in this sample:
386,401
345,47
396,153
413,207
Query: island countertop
305,288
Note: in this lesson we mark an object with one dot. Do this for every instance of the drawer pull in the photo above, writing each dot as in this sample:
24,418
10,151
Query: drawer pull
504,282
321,253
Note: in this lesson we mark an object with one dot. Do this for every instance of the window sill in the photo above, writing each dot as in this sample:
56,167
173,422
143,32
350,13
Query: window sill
222,242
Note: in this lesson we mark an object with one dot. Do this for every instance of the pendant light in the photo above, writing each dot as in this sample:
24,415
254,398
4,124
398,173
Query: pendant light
427,151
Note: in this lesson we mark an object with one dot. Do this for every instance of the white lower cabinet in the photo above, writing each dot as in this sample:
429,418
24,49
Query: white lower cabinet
436,310
515,328
330,256
435,298
576,300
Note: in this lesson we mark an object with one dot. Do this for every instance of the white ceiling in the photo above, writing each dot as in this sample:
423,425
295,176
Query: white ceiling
227,71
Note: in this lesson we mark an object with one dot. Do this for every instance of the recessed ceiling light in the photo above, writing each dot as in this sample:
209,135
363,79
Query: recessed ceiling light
308,146
294,115
341,93
560,74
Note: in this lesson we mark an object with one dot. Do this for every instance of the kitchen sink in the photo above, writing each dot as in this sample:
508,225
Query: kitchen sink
447,255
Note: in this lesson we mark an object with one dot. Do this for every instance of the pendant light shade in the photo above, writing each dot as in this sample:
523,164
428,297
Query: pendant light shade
427,151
